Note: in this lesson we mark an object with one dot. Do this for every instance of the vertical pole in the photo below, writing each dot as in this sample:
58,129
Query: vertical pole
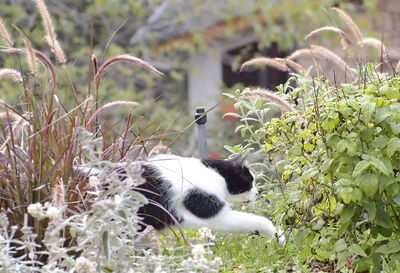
201,119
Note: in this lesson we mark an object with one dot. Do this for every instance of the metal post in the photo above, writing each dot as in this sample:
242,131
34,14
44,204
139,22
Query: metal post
201,119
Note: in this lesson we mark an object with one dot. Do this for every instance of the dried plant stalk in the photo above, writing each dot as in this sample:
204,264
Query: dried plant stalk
293,65
51,37
378,45
341,33
124,57
10,73
41,57
350,23
106,106
281,64
4,33
58,198
95,65
30,52
322,53
269,96
17,123
160,148
269,62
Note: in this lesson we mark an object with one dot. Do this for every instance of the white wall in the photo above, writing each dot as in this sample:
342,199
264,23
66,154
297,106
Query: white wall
205,74
205,77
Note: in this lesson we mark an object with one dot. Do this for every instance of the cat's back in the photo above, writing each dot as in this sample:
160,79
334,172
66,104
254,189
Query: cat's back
184,172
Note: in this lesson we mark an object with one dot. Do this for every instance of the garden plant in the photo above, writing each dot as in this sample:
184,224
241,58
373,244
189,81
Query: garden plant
326,168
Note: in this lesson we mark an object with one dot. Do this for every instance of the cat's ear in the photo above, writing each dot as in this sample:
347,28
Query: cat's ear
238,159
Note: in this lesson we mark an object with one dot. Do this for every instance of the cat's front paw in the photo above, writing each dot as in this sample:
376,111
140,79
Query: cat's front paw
281,237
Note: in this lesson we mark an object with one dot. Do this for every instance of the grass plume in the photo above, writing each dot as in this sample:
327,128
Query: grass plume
58,198
341,33
322,53
269,62
281,64
10,73
108,105
270,96
378,45
30,52
51,36
350,23
127,58
5,34
42,58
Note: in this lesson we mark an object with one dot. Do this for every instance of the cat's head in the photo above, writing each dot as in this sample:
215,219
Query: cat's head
239,179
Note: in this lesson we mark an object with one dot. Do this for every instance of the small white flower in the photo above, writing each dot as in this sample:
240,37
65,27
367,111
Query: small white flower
94,181
84,265
205,233
36,210
217,262
52,212
198,252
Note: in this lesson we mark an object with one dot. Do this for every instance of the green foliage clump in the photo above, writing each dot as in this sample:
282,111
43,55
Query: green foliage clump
335,166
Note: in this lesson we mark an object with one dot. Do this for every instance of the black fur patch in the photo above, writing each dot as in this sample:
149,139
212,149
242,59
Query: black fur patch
202,204
155,189
237,176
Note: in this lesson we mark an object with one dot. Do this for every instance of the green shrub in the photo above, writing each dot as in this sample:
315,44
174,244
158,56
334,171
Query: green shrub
337,166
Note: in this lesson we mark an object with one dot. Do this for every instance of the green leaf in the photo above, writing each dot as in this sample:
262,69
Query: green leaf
368,109
302,235
371,209
395,111
396,199
308,147
138,196
380,142
317,226
379,165
327,164
361,167
341,146
341,259
391,247
347,194
369,184
385,181
105,244
386,232
383,219
309,174
392,190
392,146
354,248
259,104
339,245
234,115
352,148
356,195
364,264
354,104
347,213
395,127
390,92
268,147
382,114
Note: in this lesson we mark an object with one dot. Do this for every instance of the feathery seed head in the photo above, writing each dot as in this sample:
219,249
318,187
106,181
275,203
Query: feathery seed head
4,33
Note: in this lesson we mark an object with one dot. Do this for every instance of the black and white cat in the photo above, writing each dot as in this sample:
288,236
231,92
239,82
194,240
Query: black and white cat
198,193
